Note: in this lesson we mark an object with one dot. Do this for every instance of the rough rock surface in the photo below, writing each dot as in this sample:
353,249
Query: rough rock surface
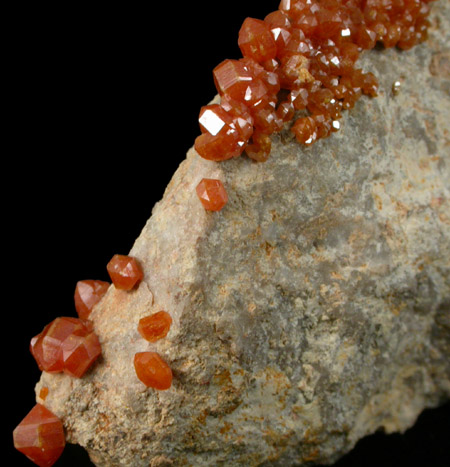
313,310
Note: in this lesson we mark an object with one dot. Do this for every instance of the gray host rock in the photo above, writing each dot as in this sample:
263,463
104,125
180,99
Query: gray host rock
313,310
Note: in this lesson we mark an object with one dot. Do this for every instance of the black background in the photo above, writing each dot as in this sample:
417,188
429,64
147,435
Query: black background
103,107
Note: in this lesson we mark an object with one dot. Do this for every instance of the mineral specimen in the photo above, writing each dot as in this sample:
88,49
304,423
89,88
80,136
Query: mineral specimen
313,310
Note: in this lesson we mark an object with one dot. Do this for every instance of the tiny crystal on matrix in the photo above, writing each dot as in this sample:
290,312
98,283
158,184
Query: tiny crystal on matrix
212,194
66,345
43,393
155,326
87,294
124,271
298,54
40,436
152,370
396,87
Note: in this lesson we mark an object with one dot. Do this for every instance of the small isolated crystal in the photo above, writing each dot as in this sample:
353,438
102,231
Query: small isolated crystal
155,327
66,344
152,370
40,436
43,393
87,294
212,194
124,271
396,86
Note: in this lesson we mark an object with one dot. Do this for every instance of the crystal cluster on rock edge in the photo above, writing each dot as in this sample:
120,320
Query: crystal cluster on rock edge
300,62
70,345
67,345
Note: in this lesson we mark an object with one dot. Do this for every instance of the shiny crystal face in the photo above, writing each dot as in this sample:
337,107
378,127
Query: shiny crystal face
125,272
212,194
301,57
66,345
87,294
152,370
40,436
155,327
211,122
256,40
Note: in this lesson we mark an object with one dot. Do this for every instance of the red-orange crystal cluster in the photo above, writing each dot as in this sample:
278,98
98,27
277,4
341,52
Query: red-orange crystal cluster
40,436
300,62
125,272
156,326
67,345
70,345
87,294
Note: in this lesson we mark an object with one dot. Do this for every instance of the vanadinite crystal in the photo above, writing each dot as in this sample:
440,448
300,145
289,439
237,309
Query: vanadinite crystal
155,326
152,370
40,436
43,393
301,57
212,194
66,344
125,272
235,79
87,294
222,129
256,40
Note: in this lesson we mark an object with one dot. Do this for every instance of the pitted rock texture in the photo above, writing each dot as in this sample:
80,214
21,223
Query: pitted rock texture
311,311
